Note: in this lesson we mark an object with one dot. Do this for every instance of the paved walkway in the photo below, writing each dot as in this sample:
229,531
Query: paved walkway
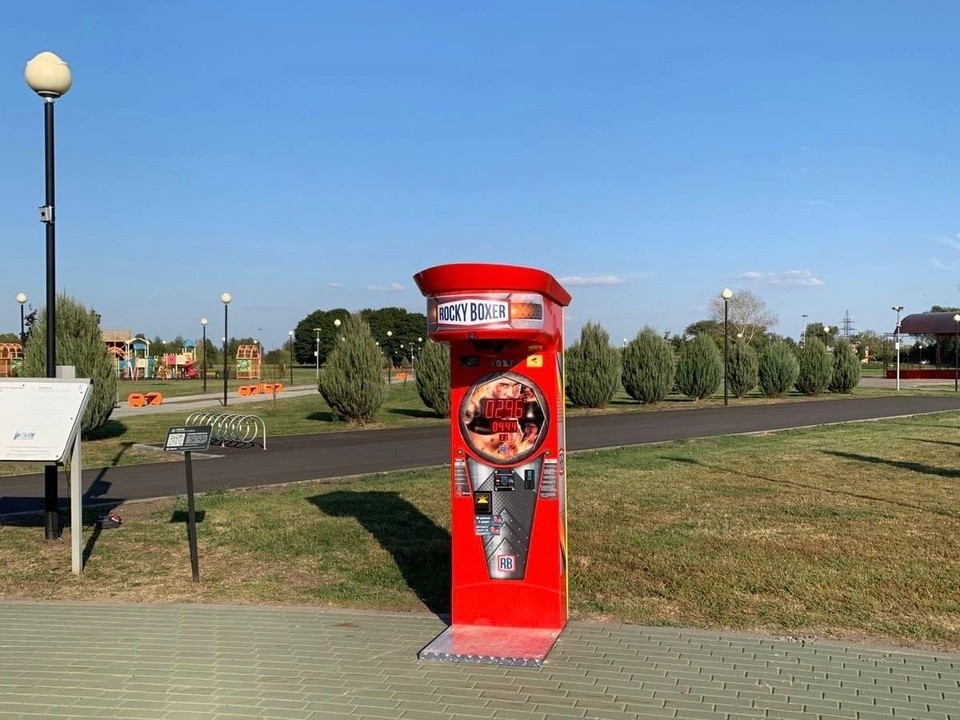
173,662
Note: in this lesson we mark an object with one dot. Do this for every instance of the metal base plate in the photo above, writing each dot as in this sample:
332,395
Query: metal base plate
492,645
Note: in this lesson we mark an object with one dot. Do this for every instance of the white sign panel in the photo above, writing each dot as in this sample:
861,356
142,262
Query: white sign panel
473,311
39,417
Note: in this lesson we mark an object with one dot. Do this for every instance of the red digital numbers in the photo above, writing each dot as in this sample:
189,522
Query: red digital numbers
503,408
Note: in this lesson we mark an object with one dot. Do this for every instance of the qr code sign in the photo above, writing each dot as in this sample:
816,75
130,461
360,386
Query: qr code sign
176,439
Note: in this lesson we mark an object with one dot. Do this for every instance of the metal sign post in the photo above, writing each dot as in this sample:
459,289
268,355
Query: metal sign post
188,440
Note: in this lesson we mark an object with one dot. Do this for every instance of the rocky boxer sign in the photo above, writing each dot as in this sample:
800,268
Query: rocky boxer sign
473,311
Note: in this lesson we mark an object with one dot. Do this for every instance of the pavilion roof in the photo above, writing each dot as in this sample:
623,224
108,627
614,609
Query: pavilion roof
932,323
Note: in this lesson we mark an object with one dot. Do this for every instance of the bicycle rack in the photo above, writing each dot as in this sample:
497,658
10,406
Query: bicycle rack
231,428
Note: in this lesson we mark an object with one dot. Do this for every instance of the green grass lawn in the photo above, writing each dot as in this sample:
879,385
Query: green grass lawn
848,531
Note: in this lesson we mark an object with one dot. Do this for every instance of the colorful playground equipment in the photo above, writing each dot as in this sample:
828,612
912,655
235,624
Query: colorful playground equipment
11,356
248,362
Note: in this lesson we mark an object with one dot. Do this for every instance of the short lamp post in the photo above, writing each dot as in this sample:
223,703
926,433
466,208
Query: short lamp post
203,322
726,295
49,77
290,334
336,325
804,333
316,354
389,355
956,353
225,299
896,341
22,298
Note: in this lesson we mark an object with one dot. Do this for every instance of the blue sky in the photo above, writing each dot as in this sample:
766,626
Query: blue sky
310,155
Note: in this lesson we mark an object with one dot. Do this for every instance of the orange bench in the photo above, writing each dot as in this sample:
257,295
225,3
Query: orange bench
136,400
154,398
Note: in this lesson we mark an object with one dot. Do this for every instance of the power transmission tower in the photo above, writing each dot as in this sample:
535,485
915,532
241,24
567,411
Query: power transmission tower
848,329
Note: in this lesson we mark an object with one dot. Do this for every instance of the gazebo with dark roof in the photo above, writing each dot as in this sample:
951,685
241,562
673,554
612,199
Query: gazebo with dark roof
941,326
932,323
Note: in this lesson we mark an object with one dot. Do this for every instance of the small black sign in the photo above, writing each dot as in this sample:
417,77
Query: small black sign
188,439
483,503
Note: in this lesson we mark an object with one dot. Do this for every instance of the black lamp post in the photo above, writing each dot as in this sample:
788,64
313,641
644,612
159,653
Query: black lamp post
896,341
49,77
203,321
956,353
290,333
22,298
726,295
225,299
804,343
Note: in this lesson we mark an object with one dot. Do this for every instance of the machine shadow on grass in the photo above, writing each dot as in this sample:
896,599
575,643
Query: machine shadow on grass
419,547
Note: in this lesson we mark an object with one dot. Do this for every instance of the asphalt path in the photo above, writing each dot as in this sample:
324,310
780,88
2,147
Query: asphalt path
332,455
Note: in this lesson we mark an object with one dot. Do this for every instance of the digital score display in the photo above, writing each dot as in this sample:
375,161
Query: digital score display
503,418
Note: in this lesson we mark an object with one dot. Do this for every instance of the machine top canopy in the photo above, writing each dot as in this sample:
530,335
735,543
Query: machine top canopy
484,277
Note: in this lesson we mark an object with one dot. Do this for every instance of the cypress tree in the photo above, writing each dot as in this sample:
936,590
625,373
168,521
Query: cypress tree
778,369
649,367
433,377
351,381
700,368
79,343
592,368
742,368
815,367
846,367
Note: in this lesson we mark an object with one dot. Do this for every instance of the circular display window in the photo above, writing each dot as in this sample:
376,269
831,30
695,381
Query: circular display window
503,418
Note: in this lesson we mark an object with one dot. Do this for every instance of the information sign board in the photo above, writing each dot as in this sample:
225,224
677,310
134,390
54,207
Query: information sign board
40,417
188,439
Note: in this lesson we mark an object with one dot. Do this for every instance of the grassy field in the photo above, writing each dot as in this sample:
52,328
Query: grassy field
848,531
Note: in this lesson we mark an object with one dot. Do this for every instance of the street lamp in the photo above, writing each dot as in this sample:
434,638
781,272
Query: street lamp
804,316
389,355
316,354
726,295
49,77
225,299
336,324
290,333
956,353
203,321
22,298
896,341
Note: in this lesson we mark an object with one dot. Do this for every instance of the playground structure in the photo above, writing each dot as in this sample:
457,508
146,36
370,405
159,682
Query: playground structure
11,355
178,365
248,362
134,360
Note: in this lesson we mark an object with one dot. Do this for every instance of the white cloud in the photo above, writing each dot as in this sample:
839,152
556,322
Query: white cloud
790,278
335,285
579,280
392,287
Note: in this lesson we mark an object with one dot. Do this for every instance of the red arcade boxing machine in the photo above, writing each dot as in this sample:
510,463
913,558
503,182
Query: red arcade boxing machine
509,534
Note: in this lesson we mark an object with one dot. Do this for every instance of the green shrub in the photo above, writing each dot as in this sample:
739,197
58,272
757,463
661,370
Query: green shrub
700,368
79,343
649,367
742,368
351,382
433,377
778,369
592,368
846,367
815,367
